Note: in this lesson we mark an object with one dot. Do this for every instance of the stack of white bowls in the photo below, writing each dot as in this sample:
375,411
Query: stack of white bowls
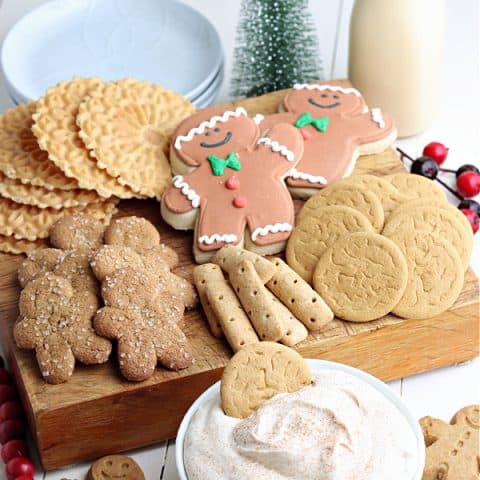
166,42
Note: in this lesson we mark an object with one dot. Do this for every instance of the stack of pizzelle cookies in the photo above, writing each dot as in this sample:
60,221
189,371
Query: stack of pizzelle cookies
100,284
374,245
80,148
262,300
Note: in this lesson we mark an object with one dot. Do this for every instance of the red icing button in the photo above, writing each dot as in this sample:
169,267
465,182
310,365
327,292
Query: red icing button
240,202
232,183
306,135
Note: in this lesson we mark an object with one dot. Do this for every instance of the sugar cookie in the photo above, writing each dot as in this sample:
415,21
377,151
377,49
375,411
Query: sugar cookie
415,186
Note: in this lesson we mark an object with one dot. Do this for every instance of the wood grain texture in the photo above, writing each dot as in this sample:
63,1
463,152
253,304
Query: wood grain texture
97,412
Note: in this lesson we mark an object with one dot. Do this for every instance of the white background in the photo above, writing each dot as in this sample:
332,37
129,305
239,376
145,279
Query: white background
439,393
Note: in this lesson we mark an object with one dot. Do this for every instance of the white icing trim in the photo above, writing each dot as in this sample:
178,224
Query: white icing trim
258,118
377,117
191,194
217,237
294,173
211,122
333,88
277,148
271,228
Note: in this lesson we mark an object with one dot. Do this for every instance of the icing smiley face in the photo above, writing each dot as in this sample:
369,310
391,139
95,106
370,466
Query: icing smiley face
220,143
115,467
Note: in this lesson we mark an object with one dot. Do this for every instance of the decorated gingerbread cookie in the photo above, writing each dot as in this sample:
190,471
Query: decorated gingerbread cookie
230,181
336,126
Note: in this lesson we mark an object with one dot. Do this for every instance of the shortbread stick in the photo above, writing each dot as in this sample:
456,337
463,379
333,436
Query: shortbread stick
202,275
299,297
230,255
257,303
230,314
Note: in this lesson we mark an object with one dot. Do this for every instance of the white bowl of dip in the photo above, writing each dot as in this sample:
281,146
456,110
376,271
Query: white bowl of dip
320,367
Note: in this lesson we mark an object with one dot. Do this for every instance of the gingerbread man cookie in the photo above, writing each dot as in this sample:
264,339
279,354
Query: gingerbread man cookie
336,126
229,180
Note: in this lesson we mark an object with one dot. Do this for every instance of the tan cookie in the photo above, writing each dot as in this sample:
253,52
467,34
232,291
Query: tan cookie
57,134
20,156
443,220
257,373
453,450
351,196
9,244
37,263
300,298
77,231
317,232
362,276
435,274
143,318
55,321
127,125
115,467
416,187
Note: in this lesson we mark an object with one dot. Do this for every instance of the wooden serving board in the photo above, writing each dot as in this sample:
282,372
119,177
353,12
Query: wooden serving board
98,413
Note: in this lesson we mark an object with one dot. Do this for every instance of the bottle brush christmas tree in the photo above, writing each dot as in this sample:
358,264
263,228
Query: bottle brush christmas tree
277,46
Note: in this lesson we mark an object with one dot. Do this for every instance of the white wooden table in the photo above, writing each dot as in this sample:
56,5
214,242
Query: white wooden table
442,392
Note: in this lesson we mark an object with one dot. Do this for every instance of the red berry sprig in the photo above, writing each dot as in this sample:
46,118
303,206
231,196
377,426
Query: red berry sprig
14,451
467,176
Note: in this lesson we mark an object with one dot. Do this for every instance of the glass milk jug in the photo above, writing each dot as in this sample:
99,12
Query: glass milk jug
396,58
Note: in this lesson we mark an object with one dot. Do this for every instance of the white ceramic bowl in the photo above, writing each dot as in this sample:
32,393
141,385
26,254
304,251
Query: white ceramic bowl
315,365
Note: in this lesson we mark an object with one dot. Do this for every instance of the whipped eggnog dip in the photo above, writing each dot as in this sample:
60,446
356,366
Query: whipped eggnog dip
339,428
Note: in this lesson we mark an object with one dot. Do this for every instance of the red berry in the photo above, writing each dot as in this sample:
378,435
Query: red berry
10,409
436,151
10,429
4,376
14,448
7,392
2,362
468,184
24,477
20,466
473,218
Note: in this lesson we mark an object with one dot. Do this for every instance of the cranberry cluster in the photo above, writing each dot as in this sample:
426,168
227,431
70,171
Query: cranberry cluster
12,431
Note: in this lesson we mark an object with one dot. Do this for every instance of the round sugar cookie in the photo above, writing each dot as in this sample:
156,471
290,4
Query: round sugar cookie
127,125
317,232
435,274
417,187
57,133
20,156
362,276
443,220
257,373
115,467
351,196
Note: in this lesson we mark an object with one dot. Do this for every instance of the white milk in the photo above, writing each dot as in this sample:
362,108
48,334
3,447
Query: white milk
396,58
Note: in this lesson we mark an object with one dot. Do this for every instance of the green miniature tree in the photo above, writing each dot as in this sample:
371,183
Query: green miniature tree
277,46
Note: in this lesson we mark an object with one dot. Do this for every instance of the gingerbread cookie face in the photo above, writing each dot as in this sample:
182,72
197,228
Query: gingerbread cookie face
233,189
115,467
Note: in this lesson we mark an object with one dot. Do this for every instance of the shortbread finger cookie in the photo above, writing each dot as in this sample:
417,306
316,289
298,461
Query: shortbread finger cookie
127,125
257,373
351,196
299,297
443,220
362,276
115,467
230,255
435,274
417,187
20,156
256,302
317,232
57,134
10,244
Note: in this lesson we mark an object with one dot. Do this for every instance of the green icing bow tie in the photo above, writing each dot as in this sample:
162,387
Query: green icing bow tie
320,123
218,164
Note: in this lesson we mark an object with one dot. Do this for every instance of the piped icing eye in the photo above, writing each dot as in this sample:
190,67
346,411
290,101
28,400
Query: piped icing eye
216,129
336,97
324,95
207,134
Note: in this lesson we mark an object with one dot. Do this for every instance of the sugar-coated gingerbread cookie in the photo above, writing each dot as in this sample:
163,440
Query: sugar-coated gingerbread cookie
258,372
230,183
336,126
115,467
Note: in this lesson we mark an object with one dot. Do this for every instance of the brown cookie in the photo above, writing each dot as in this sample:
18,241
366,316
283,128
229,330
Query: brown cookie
37,263
115,467
77,231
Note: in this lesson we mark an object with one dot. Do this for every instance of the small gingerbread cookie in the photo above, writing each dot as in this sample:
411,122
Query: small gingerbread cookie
453,450
114,467
362,276
257,373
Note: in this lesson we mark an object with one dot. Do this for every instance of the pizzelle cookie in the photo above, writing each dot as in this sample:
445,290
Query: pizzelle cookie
351,196
443,220
57,133
10,244
417,187
115,467
317,232
127,125
258,372
362,276
435,274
